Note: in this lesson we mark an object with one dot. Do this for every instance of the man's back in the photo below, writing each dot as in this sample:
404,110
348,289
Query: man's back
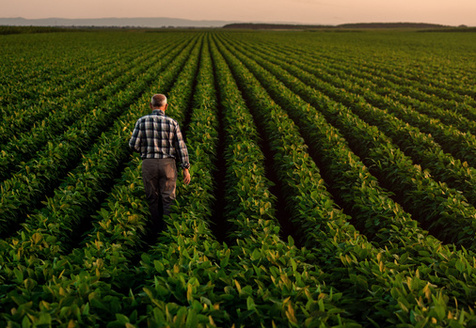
158,136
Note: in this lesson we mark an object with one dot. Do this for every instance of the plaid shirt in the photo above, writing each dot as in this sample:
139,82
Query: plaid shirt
158,136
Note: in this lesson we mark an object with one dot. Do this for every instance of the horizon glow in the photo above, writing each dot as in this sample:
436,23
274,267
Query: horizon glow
456,12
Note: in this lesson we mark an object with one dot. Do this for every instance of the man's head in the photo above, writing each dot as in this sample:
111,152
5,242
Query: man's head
158,101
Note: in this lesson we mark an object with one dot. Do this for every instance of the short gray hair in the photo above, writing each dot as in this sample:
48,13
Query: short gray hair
158,100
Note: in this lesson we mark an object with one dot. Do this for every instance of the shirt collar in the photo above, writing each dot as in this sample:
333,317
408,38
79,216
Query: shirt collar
158,112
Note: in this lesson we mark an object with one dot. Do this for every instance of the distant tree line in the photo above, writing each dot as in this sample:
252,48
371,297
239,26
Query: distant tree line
4,30
263,26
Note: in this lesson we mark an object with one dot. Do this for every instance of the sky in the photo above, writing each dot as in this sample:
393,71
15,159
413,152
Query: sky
332,12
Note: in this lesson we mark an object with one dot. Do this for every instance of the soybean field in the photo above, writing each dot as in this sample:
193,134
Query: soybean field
333,179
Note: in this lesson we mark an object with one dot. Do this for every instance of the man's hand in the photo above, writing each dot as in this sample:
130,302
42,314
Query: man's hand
186,176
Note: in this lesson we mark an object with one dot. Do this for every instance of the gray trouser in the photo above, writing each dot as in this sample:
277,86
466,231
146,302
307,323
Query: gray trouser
159,177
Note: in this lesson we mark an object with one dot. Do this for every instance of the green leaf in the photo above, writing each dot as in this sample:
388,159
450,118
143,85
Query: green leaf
256,254
192,319
250,304
121,318
25,323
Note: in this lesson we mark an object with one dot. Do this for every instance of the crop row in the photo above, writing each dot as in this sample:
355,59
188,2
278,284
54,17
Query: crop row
343,86
383,266
250,209
435,80
190,278
83,295
38,104
187,278
360,193
449,111
421,89
454,132
37,69
396,170
193,279
59,78
74,109
26,188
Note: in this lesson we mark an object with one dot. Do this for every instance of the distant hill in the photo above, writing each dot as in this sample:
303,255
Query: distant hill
262,26
267,26
113,21
392,25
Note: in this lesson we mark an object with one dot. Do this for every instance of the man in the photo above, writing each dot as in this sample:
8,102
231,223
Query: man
159,140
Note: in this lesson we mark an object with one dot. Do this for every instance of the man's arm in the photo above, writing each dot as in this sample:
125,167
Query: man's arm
182,154
134,142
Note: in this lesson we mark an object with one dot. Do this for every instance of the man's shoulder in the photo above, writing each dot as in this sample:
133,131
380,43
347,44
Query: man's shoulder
168,120
144,117
158,117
